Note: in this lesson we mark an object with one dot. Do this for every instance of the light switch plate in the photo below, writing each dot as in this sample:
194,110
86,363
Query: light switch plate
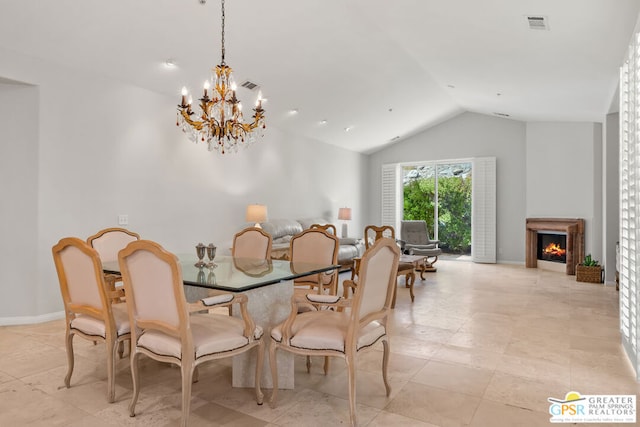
123,219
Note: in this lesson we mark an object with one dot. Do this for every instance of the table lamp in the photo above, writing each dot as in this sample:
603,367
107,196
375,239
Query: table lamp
257,214
344,214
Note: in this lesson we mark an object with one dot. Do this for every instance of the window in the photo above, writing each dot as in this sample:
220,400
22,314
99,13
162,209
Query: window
629,195
440,194
483,215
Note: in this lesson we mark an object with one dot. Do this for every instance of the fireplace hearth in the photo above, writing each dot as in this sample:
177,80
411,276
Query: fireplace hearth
572,230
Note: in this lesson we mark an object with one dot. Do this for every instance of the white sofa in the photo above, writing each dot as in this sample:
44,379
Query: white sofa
282,230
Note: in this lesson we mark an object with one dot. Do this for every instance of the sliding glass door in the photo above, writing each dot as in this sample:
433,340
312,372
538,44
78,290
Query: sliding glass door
440,194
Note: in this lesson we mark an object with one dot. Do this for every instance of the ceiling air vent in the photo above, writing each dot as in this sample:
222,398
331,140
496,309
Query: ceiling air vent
537,22
249,85
502,114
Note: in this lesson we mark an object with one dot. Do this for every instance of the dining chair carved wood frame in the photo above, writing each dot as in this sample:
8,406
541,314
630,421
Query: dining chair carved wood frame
108,243
252,242
344,333
404,269
330,228
89,306
316,245
166,328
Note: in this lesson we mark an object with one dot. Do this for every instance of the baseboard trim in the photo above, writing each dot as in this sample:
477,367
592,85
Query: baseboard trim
29,320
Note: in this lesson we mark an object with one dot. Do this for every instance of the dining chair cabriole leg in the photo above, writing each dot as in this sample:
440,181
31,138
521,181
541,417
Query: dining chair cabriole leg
70,361
385,364
187,379
136,383
112,349
259,362
351,372
327,363
274,374
196,375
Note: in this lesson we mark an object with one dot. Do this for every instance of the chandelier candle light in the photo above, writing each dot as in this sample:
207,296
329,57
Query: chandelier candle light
220,123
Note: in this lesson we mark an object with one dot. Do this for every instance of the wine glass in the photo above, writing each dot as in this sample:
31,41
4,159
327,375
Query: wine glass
211,254
200,252
211,278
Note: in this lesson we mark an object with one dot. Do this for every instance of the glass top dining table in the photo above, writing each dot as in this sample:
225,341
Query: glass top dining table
238,274
268,286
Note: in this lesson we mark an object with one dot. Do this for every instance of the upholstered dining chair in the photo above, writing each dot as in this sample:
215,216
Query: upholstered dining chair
347,333
88,304
163,329
252,242
330,228
108,242
316,245
373,233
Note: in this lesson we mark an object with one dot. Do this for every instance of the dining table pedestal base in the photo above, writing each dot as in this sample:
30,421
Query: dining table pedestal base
269,306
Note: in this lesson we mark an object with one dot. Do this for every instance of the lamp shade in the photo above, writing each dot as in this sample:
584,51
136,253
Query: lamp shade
256,213
344,214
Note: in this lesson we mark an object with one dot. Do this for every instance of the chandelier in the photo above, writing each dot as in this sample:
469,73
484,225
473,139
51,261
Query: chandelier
220,122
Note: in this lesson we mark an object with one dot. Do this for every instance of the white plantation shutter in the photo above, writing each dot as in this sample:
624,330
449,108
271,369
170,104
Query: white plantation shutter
391,196
483,210
629,197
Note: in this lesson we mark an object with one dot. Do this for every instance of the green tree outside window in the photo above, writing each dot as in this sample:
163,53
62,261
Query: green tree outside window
454,209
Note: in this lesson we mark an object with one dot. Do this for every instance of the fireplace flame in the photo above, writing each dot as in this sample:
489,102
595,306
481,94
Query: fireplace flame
554,249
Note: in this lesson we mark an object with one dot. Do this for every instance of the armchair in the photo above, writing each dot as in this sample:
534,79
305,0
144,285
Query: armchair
90,306
163,329
414,239
108,243
320,246
344,334
372,234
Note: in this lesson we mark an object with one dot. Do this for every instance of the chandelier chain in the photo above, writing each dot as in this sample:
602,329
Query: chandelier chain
222,38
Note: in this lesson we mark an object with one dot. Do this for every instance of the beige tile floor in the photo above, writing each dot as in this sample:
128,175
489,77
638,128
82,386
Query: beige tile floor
482,345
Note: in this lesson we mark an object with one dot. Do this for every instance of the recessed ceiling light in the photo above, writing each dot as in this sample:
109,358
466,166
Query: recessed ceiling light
323,122
348,129
170,63
293,111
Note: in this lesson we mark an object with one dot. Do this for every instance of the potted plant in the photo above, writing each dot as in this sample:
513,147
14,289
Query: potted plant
589,271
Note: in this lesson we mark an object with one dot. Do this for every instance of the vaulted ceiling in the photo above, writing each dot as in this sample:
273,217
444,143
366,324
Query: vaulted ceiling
383,69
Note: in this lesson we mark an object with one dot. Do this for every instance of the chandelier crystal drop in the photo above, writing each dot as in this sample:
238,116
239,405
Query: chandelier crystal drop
220,122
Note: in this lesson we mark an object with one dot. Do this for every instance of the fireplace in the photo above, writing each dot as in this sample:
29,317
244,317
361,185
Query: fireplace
572,229
552,247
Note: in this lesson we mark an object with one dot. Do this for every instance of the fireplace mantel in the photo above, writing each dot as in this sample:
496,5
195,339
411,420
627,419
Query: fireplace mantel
572,227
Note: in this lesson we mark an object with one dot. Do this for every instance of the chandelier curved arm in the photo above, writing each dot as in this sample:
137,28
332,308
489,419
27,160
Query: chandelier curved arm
220,123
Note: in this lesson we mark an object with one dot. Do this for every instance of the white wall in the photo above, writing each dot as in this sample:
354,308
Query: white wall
470,135
543,170
564,175
101,148
19,192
